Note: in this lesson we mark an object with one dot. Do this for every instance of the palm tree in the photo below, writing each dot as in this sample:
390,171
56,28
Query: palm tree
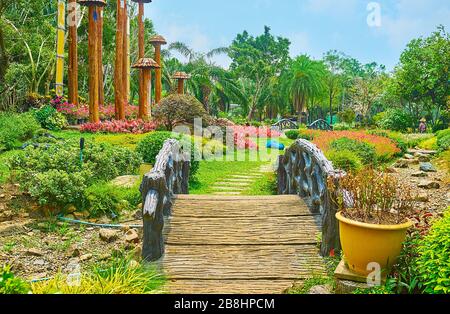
303,81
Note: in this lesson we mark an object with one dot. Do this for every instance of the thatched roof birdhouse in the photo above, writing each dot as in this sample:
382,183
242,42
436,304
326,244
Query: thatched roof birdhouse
181,76
146,63
92,3
158,39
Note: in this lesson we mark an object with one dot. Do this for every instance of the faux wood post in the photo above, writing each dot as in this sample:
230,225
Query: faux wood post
101,90
73,53
142,96
146,98
125,62
93,66
118,72
180,86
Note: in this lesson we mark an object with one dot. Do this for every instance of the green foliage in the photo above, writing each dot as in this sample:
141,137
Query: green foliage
177,109
342,127
104,198
53,175
347,116
150,146
395,120
9,284
50,119
292,134
344,159
433,263
364,151
15,129
443,139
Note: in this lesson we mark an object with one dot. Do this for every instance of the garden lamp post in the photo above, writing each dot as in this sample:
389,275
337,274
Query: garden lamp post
145,65
141,44
181,77
93,6
157,41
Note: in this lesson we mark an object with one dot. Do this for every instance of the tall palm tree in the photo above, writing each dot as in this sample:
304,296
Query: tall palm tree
303,81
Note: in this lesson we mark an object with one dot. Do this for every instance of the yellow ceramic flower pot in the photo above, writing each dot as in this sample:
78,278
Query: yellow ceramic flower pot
364,243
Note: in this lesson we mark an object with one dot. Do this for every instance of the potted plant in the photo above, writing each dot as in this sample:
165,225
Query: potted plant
373,219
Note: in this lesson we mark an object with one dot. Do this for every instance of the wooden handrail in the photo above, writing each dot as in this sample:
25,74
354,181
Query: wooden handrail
304,170
169,176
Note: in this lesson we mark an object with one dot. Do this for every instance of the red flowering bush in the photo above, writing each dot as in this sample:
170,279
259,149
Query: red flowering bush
384,147
253,131
73,112
119,126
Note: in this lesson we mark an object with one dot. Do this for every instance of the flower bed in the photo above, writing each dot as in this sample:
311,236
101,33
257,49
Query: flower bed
119,126
74,113
385,148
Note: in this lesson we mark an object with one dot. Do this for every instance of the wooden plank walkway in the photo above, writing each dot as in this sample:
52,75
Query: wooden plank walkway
240,244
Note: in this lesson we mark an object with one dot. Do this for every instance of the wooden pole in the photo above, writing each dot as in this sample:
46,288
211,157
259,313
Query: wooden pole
61,21
93,65
141,55
158,74
118,72
101,91
180,86
125,62
73,53
146,97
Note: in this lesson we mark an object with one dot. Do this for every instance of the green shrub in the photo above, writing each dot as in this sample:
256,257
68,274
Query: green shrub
364,151
396,120
342,127
150,146
345,160
50,119
53,174
105,198
292,134
433,263
443,139
16,128
9,284
347,116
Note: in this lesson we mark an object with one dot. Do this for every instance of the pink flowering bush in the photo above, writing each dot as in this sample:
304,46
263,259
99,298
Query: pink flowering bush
119,126
253,131
74,113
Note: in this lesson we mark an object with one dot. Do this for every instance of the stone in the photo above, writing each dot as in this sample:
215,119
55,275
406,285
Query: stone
424,158
108,235
125,181
427,167
85,257
402,163
419,174
408,156
71,209
2,195
39,262
132,236
390,170
422,197
74,251
138,214
322,289
429,185
35,252
104,257
348,287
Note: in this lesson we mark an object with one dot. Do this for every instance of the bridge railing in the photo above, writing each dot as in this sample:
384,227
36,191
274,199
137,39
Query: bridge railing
304,170
169,176
285,124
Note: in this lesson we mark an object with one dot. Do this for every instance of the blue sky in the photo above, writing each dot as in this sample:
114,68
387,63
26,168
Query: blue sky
313,26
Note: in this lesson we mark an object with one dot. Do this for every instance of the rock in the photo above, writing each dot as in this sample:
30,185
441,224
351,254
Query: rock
125,181
74,251
424,158
408,156
323,289
35,252
402,163
108,235
422,197
138,214
134,264
419,174
347,287
132,236
422,151
104,257
85,257
71,209
427,167
429,185
390,170
39,262
2,195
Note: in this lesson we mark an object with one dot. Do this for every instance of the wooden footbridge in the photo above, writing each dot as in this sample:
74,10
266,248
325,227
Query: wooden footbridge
239,244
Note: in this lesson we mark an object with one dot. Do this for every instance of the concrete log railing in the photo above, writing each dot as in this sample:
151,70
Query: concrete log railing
285,124
169,176
304,170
